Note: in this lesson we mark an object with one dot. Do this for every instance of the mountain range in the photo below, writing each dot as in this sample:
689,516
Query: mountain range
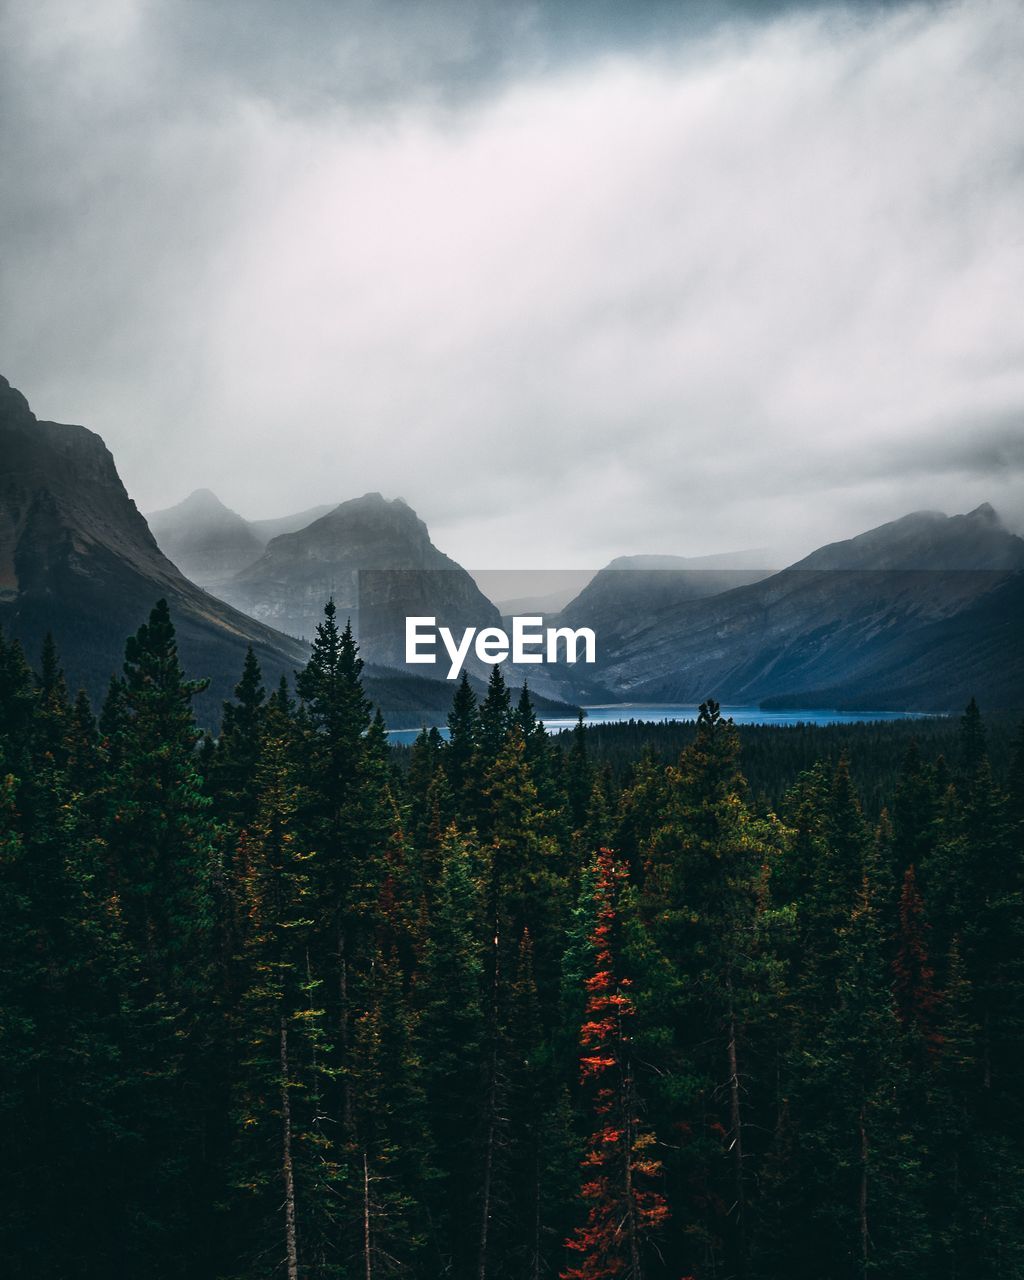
376,559
372,556
210,543
917,614
78,560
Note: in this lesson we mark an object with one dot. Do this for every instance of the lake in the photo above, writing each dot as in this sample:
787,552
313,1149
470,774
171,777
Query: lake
660,713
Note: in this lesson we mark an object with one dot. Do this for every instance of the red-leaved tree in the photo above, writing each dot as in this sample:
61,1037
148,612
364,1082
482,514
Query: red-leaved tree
619,1167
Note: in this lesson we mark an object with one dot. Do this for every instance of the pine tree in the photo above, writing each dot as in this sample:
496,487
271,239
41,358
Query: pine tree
579,777
496,719
390,1153
915,991
543,1156
450,1040
286,1169
704,899
915,812
857,1142
461,753
235,762
159,826
161,849
624,1208
337,716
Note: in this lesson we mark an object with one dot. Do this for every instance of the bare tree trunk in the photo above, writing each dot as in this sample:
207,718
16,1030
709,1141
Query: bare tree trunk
736,1125
863,1198
492,1108
287,1170
366,1217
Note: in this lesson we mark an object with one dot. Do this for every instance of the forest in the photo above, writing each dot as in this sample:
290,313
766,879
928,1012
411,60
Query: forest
290,1002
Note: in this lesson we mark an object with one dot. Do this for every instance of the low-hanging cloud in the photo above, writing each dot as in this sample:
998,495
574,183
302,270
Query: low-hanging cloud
747,284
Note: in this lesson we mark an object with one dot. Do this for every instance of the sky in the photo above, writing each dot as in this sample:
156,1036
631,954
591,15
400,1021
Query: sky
575,278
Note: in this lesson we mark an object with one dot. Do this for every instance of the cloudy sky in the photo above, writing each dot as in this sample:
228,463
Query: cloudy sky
576,278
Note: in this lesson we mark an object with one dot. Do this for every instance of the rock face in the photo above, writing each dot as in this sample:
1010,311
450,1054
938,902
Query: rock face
917,614
376,559
78,559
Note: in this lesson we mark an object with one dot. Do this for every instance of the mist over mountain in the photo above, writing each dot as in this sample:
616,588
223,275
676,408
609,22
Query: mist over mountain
205,539
374,557
78,559
619,600
211,543
926,540
916,614
276,525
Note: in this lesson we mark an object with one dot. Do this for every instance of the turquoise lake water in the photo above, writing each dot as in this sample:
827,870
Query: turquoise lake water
661,713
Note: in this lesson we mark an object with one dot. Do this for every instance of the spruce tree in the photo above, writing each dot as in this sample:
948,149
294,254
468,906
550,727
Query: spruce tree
496,718
235,762
461,753
450,1037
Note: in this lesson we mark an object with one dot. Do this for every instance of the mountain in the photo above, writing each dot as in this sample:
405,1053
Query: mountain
273,528
78,559
205,539
376,559
917,615
210,543
926,540
619,600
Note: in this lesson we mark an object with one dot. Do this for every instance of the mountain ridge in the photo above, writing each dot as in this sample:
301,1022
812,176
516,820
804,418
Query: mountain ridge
843,621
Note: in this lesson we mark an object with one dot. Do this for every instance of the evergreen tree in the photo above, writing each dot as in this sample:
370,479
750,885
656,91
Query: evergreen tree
450,1039
496,718
619,1188
161,849
158,828
391,1157
286,1169
461,752
579,776
235,762
337,715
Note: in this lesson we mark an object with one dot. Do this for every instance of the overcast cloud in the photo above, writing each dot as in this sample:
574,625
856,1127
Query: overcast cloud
575,280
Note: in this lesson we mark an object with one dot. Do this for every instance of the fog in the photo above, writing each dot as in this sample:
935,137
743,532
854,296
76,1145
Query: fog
574,284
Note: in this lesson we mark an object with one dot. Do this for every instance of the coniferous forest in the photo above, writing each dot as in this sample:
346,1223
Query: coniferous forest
288,1002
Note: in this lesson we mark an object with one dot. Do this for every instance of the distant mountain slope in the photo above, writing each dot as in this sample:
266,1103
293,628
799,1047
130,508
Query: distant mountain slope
207,541
211,543
926,540
78,559
915,614
273,528
376,559
622,599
